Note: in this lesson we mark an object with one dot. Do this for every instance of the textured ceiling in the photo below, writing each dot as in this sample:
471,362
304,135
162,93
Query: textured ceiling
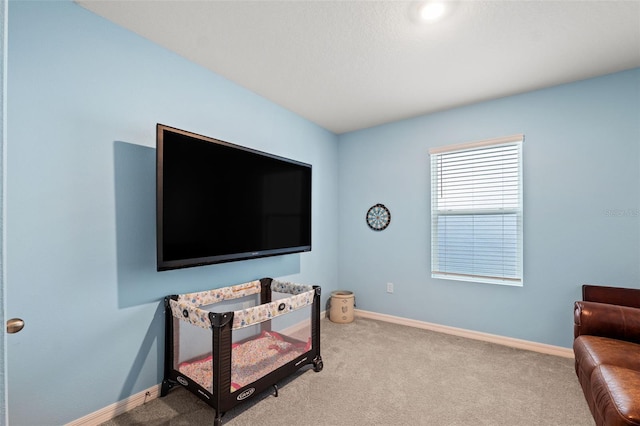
348,65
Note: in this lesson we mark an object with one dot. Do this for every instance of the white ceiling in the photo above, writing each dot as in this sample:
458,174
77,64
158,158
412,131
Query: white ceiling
348,65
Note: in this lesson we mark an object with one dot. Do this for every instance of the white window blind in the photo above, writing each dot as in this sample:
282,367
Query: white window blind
476,211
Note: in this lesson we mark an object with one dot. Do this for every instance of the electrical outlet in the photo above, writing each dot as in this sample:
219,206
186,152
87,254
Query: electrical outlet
389,287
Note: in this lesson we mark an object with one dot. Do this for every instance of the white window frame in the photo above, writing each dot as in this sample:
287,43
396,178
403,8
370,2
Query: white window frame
471,206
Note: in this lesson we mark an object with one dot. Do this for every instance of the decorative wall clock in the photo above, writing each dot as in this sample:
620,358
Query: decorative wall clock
378,217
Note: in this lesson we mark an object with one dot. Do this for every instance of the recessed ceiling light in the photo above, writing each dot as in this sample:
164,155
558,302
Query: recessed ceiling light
432,11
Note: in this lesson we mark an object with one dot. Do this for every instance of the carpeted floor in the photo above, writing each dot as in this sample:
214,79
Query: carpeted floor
377,373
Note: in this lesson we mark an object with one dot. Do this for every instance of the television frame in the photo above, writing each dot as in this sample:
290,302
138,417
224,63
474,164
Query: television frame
164,264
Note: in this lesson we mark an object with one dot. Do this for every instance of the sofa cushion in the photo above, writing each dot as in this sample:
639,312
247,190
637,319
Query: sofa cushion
591,351
616,392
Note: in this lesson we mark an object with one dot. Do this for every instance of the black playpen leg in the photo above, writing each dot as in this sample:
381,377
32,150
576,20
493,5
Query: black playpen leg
218,420
166,387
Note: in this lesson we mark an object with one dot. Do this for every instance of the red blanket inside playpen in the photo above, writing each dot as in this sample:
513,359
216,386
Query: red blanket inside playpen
250,360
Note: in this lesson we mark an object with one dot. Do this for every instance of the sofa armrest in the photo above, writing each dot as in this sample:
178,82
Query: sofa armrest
606,320
613,295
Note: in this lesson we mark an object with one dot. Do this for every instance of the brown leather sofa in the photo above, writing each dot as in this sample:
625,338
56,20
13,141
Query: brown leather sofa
607,353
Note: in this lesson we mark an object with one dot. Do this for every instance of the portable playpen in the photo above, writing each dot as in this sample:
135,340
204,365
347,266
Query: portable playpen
229,344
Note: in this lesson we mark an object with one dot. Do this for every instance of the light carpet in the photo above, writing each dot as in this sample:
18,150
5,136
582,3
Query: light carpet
378,373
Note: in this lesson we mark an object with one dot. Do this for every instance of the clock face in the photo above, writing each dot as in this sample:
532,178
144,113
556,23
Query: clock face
378,217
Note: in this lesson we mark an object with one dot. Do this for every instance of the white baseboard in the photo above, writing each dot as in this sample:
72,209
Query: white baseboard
120,407
486,337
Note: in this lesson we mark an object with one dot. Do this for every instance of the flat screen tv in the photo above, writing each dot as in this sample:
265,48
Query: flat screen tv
220,202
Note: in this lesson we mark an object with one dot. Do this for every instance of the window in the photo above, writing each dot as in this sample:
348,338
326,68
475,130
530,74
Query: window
476,211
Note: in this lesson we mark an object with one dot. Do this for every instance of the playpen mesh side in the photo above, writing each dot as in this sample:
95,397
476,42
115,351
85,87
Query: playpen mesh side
261,345
265,312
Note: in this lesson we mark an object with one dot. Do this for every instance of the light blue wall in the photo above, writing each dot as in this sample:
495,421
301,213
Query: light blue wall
581,201
3,62
84,96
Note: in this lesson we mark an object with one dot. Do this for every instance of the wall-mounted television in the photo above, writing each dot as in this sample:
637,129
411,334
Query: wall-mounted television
220,202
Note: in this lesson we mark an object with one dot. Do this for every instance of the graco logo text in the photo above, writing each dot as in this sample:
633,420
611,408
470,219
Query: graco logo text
246,394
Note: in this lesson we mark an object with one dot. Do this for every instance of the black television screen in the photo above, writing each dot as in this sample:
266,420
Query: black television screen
220,202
